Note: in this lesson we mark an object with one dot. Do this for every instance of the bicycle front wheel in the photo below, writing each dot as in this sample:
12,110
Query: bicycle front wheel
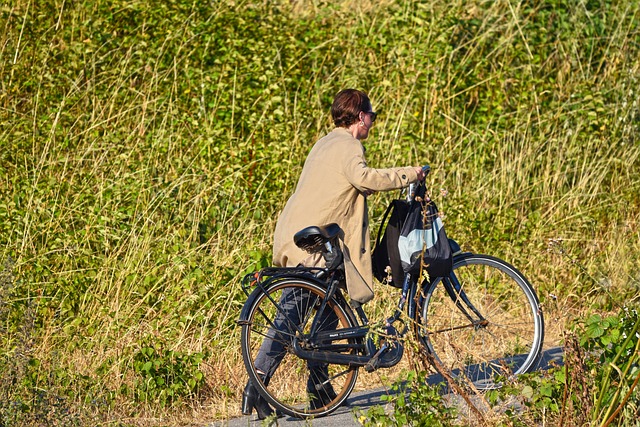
287,309
483,323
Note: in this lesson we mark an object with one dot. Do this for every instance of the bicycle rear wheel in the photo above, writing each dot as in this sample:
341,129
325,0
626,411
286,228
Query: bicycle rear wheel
296,387
496,333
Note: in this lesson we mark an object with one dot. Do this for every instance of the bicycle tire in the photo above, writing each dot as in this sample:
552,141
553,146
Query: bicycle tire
507,344
287,387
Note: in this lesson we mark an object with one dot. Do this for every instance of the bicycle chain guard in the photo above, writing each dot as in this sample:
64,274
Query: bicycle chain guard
390,352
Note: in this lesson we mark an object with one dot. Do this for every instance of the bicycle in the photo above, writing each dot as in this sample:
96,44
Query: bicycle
483,323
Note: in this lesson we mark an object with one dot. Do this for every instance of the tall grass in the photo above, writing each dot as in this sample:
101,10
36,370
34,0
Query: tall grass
147,149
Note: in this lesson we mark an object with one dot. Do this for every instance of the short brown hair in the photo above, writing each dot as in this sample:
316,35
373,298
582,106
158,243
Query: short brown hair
347,106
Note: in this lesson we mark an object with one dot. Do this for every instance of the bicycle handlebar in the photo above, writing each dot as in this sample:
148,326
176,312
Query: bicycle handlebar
412,187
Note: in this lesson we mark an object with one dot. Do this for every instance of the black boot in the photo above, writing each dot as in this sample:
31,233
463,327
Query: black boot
321,392
251,399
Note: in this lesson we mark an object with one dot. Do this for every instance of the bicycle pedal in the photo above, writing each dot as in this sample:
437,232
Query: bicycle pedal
372,364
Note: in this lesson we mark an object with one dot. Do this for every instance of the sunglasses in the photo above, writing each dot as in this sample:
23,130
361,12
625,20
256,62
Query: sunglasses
372,114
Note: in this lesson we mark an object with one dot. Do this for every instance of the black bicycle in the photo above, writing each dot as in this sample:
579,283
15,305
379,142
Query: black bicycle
483,323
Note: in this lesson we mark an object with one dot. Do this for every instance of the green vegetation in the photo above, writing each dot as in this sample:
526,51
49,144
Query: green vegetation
147,147
599,353
414,403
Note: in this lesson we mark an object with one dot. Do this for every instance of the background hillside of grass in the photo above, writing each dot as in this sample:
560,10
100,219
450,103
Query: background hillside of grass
147,147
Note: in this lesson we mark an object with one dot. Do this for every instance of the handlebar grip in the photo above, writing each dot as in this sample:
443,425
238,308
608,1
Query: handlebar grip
426,169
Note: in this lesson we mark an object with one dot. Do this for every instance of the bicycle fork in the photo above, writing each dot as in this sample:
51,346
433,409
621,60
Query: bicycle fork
458,296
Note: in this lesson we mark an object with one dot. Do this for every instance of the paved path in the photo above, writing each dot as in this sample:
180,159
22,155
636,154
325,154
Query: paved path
344,416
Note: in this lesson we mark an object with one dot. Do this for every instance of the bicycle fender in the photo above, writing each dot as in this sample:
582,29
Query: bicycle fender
461,255
244,313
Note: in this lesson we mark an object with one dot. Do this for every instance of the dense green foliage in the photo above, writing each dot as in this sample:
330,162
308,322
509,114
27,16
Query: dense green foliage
147,147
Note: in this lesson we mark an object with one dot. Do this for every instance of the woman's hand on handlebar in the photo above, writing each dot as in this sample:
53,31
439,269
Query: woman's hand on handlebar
421,173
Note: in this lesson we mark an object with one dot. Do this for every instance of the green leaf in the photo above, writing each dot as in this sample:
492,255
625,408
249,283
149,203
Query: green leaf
594,330
546,390
527,392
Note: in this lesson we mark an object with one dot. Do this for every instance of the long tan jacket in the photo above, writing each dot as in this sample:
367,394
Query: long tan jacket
331,189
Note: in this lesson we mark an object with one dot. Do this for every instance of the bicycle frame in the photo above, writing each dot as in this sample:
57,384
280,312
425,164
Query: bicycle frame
330,279
330,353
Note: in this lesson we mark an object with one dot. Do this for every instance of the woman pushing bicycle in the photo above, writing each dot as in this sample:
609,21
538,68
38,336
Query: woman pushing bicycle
333,188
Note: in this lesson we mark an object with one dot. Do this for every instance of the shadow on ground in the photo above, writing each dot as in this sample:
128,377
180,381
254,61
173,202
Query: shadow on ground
344,415
549,358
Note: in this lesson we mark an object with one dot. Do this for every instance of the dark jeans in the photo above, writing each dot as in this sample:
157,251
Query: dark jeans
298,305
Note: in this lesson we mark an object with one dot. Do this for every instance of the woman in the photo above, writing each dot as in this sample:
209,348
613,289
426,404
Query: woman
333,187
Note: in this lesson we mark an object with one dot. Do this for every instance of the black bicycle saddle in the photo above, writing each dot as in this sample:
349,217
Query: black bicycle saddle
312,238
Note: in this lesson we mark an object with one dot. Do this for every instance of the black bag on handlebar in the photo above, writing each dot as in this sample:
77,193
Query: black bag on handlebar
387,267
423,234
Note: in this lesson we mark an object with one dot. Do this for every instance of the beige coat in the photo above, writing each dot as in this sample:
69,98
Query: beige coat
331,189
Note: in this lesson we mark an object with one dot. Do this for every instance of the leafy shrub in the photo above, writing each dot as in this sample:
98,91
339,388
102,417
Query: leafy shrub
165,376
414,403
613,348
597,385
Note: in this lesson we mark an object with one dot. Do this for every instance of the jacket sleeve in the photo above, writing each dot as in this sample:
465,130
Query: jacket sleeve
365,178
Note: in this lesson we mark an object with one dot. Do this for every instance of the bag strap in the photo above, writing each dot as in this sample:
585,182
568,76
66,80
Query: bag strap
384,219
